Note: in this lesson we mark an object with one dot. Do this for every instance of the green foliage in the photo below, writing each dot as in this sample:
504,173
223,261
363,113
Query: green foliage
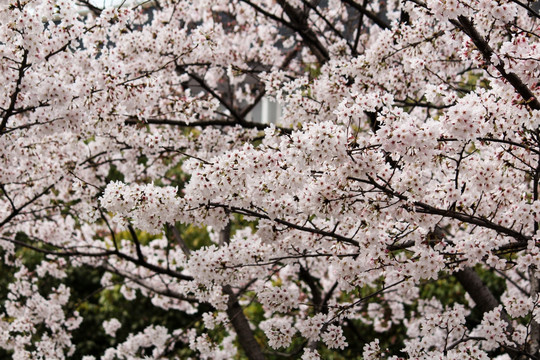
96,304
114,174
195,237
446,289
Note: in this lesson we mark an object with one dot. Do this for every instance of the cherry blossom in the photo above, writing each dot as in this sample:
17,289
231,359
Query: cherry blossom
396,190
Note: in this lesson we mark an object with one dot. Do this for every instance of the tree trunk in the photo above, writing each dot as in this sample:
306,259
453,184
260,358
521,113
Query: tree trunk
241,326
534,334
480,293
236,313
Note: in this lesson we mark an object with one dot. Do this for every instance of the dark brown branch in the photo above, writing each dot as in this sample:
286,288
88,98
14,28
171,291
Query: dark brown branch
173,230
16,211
13,98
66,252
8,197
290,56
536,181
66,45
511,281
510,142
137,242
534,335
533,343
328,296
237,317
449,213
251,106
471,219
371,15
267,14
221,100
382,290
482,45
532,12
94,9
241,122
300,24
359,28
307,34
167,292
314,287
463,340
255,214
240,324
483,297
113,235
152,267
475,287
416,103
329,24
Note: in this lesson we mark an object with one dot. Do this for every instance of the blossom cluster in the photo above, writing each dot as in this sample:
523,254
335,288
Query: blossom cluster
396,189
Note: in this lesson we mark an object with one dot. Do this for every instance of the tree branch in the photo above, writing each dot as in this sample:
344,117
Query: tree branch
13,98
449,213
301,26
372,16
173,230
483,297
297,24
482,45
167,292
241,122
255,214
152,267
16,211
240,324
237,317
137,242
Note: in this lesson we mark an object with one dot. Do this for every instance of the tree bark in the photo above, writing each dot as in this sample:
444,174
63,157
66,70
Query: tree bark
533,345
241,326
480,293
236,314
